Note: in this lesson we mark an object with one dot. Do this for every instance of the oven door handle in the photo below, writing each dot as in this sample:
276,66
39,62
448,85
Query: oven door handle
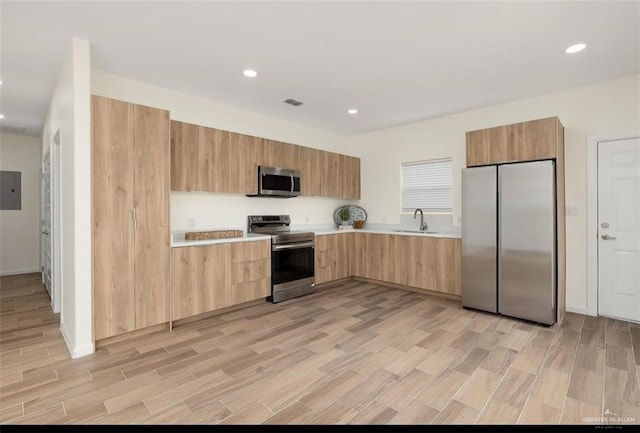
292,246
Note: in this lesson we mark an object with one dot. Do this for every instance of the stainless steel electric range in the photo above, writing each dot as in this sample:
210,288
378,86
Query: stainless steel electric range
292,256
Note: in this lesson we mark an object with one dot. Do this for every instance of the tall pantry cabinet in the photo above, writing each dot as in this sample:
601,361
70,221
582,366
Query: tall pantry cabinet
131,238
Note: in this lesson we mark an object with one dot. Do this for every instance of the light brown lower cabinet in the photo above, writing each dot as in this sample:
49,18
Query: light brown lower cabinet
421,262
250,271
333,257
207,278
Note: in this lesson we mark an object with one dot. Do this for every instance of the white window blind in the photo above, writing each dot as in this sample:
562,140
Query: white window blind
427,185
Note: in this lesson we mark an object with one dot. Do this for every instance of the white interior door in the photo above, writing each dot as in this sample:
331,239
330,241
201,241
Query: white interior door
619,229
46,223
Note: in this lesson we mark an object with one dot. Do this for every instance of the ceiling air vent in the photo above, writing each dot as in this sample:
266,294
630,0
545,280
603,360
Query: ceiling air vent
13,129
292,102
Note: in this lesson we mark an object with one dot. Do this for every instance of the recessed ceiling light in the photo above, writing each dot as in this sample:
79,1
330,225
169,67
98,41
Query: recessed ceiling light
352,111
0,81
250,73
1,116
575,48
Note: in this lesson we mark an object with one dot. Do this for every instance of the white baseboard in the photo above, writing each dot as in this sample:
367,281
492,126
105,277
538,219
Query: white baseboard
76,351
19,272
577,310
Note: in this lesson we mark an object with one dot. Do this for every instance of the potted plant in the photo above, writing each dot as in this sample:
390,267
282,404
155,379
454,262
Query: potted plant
345,215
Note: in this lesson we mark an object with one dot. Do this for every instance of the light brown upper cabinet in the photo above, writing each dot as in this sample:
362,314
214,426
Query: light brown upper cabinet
131,251
190,153
312,164
525,141
340,175
214,160
486,146
353,178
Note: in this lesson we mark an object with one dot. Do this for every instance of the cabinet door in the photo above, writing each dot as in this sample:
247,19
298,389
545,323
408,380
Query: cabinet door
206,155
151,156
533,140
187,281
343,176
331,186
292,156
185,160
486,146
421,262
375,245
310,165
398,257
354,178
113,236
344,250
250,270
218,141
333,257
273,153
359,260
449,266
216,287
323,245
386,261
199,280
241,160
279,154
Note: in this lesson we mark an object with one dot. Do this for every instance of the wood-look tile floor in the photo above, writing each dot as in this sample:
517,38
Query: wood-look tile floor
356,353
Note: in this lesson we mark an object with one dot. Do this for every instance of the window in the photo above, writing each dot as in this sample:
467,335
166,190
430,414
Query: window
427,185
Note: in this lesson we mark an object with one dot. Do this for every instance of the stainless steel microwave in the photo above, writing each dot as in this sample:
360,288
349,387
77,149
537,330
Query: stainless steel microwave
277,182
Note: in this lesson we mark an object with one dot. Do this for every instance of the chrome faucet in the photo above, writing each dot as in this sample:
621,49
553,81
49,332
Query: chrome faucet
423,225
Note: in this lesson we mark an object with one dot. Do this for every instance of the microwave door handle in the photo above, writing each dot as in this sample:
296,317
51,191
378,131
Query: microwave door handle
291,175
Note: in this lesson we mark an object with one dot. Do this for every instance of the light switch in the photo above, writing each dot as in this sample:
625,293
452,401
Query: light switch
192,222
572,210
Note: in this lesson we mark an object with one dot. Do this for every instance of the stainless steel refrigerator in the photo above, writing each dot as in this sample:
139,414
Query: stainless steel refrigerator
509,240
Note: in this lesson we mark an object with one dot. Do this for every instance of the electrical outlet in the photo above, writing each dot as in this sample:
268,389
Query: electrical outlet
572,210
192,222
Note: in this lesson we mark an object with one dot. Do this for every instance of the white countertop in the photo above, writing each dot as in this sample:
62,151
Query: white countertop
177,236
452,234
386,229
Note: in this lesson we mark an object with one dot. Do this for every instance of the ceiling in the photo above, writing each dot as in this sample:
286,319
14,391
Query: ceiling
396,61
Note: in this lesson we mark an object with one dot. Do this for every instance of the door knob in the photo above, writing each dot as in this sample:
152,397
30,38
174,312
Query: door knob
45,232
607,237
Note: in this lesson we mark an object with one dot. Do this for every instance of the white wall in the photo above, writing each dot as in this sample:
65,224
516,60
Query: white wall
20,229
70,113
604,108
227,210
